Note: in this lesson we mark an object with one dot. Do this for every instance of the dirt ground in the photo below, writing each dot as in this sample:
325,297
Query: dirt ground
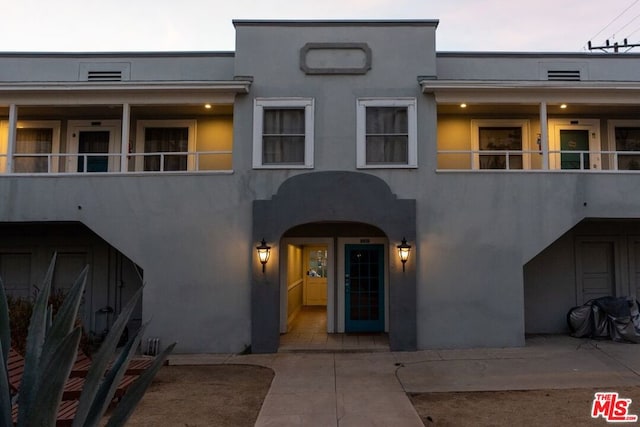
231,395
204,396
570,407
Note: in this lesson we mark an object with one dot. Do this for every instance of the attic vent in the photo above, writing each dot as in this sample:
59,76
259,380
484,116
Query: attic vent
564,75
104,76
104,71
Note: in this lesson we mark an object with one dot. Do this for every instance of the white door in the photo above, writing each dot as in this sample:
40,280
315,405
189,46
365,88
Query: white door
90,139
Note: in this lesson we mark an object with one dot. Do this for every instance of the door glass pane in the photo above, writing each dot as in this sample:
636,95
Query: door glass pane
628,139
500,139
574,140
364,285
166,141
317,263
91,142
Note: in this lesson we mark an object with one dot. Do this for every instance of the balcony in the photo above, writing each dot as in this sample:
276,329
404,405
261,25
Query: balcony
116,139
576,137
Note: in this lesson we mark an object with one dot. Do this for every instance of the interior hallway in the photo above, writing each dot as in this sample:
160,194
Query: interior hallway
308,332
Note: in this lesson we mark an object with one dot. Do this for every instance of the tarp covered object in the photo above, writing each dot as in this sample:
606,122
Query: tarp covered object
617,318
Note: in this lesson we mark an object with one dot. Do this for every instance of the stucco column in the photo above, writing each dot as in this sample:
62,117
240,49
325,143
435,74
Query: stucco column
544,135
11,143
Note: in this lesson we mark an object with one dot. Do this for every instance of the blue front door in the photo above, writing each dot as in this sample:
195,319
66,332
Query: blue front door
364,288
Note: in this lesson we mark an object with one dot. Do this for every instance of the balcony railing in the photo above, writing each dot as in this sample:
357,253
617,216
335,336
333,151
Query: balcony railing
528,160
83,163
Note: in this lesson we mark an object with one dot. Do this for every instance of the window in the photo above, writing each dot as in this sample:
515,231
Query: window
624,137
35,142
283,133
165,145
387,133
503,142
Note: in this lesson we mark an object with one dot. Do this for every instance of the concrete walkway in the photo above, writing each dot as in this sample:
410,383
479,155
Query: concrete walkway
369,389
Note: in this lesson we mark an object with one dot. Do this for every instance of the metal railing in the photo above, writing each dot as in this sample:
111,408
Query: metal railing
106,163
533,160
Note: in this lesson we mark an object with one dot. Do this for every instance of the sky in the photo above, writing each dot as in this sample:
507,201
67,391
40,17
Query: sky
206,25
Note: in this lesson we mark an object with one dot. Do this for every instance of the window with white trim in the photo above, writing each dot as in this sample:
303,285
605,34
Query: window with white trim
624,139
283,133
504,143
165,145
36,142
387,133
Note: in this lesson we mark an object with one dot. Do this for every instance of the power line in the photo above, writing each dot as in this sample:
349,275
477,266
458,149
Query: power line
613,20
628,23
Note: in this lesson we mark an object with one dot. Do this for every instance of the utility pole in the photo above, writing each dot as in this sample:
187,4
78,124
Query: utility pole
615,47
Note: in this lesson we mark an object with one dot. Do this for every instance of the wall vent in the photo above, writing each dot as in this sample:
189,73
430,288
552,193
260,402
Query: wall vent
104,76
564,75
104,71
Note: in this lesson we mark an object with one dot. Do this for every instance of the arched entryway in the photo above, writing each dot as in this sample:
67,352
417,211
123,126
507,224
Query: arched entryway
354,206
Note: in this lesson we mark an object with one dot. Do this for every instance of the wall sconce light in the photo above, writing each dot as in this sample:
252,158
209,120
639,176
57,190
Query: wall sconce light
264,251
403,251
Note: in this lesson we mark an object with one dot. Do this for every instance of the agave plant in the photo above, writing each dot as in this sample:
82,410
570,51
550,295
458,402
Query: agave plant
51,349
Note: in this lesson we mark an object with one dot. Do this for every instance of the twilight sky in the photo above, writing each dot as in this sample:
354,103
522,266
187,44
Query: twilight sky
205,25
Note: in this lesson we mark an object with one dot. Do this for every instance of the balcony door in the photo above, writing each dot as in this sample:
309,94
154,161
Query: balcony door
574,144
97,145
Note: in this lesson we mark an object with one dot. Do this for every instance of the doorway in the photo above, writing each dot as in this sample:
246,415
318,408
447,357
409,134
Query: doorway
90,139
334,294
574,144
364,288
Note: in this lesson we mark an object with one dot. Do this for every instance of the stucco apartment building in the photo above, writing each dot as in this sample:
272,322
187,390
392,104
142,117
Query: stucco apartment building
513,177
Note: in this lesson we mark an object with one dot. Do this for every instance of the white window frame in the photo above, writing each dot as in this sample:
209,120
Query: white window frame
258,116
500,123
54,125
591,125
141,125
361,135
115,129
611,128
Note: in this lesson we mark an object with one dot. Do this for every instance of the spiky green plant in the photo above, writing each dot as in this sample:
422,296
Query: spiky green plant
51,349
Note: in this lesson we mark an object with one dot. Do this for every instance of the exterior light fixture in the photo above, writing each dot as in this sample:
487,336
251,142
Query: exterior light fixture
207,106
463,105
264,251
563,106
403,251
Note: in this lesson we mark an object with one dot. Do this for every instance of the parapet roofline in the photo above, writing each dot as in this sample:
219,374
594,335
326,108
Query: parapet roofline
337,23
512,54
121,54
241,85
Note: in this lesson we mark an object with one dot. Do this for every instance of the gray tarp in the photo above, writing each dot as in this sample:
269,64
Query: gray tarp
617,318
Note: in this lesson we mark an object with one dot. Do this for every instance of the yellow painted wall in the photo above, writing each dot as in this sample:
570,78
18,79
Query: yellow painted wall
215,135
454,133
294,277
4,138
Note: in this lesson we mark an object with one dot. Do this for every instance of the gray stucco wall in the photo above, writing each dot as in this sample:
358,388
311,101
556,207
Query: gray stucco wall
195,235
190,234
